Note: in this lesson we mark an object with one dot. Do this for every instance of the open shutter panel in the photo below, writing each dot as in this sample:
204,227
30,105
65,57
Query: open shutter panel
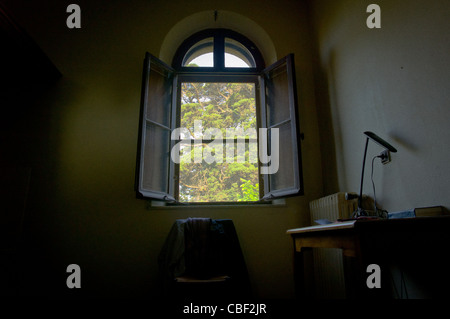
155,170
279,117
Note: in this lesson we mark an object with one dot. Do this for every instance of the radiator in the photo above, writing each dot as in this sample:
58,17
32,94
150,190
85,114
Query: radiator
332,207
329,280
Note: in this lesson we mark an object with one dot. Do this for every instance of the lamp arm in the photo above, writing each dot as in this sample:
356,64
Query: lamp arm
362,176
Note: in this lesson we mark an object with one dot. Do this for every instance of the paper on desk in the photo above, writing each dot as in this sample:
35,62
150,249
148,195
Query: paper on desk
323,221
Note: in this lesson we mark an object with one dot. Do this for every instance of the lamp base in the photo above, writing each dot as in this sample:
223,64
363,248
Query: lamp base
360,212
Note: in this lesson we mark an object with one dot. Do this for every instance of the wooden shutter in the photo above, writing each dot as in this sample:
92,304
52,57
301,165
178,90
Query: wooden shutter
279,113
155,170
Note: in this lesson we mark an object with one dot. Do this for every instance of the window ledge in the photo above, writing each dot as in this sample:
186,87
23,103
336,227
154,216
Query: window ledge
153,204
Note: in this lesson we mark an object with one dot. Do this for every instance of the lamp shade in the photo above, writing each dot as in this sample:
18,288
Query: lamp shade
370,136
380,141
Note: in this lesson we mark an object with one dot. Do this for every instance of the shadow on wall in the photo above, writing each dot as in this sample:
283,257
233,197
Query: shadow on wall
217,19
324,101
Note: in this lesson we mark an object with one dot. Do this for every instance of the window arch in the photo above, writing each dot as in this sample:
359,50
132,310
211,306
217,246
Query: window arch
223,51
218,79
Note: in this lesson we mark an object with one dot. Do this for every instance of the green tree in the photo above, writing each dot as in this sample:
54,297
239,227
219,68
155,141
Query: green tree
222,106
249,190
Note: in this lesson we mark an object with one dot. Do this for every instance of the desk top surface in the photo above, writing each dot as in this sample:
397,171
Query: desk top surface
337,225
363,223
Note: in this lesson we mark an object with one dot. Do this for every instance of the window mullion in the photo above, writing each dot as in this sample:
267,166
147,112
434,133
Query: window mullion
279,123
157,124
219,52
175,122
263,116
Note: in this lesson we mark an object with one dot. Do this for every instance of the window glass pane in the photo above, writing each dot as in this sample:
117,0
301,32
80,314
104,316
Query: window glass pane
218,105
159,95
218,182
156,155
204,60
277,96
200,54
237,55
284,177
228,170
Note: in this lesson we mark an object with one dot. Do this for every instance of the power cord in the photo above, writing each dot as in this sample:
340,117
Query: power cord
403,287
379,212
383,214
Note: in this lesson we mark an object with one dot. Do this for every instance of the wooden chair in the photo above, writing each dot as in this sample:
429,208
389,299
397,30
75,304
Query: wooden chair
212,265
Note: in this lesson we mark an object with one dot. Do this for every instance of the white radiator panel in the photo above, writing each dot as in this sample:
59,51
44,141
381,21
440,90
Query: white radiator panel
329,281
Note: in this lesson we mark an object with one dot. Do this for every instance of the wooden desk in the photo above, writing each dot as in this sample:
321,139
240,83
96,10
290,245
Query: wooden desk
420,244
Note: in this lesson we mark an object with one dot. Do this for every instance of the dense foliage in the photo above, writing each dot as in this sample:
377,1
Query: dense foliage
222,106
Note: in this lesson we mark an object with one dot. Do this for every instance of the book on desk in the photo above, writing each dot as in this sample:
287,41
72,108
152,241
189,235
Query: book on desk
419,212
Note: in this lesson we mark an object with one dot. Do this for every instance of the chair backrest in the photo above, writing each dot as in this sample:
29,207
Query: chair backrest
198,248
204,248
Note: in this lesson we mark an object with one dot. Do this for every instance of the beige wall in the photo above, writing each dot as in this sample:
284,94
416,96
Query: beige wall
82,207
394,81
80,137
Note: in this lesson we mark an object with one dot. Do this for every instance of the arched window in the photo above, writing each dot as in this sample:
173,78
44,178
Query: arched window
217,50
217,126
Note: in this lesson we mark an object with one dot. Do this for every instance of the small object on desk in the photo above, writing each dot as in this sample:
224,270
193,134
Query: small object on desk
323,221
359,218
430,211
419,212
402,214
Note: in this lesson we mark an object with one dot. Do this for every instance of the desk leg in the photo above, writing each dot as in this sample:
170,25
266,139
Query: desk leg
352,275
303,274
356,278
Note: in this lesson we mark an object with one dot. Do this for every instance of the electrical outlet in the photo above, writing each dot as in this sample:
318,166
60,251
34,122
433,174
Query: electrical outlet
385,157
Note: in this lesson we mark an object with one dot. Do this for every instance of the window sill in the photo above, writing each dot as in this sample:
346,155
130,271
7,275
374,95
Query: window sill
152,204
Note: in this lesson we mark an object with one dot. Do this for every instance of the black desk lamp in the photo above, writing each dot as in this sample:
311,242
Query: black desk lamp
360,211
